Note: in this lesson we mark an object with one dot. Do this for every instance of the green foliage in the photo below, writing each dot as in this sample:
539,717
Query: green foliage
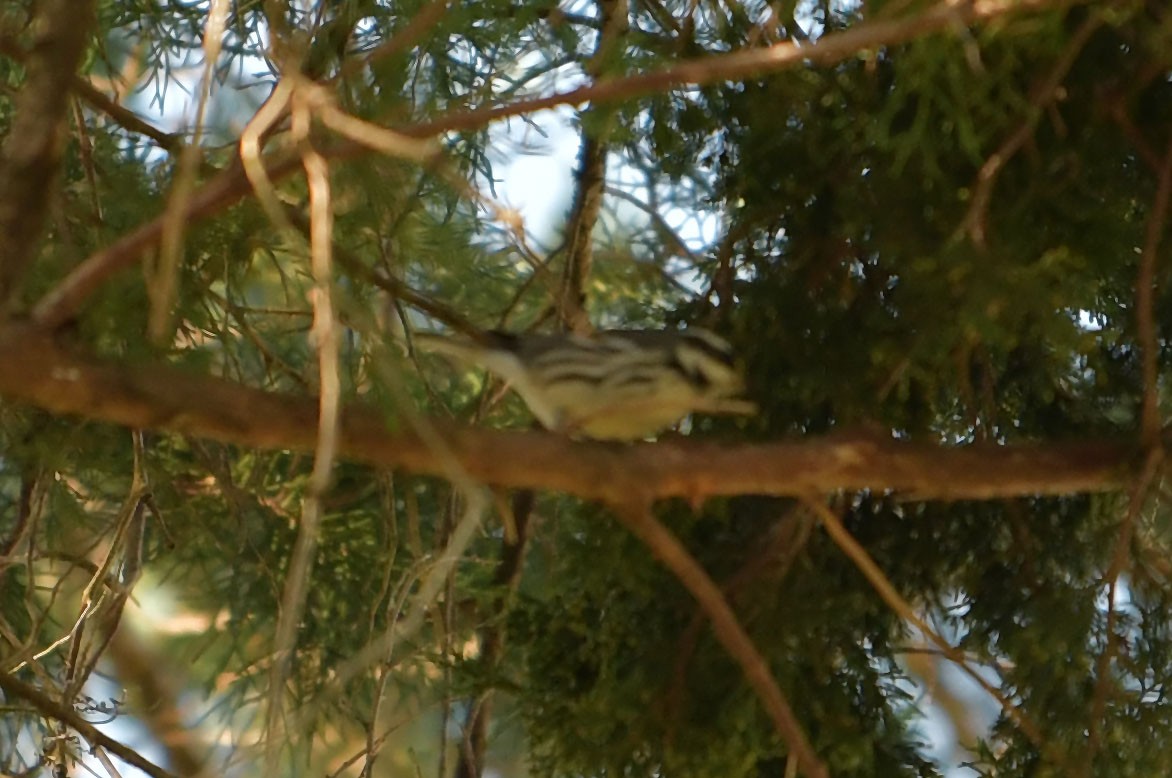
844,195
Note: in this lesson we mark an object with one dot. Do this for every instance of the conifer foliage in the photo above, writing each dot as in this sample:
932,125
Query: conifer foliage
247,528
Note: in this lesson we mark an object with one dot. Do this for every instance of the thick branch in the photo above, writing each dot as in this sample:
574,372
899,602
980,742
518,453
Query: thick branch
33,148
160,397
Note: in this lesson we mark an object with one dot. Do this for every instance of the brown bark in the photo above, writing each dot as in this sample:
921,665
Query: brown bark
39,372
32,151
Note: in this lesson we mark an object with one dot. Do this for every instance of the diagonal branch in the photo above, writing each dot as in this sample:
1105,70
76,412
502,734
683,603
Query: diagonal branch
637,518
887,592
162,397
1150,423
64,301
777,548
15,689
749,63
1045,95
1120,556
121,115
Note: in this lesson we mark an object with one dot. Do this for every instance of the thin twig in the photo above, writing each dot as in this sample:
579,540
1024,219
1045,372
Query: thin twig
163,285
886,591
84,89
326,339
1046,94
424,19
675,244
1145,289
639,520
1116,107
125,546
493,637
124,117
50,708
1119,558
63,301
391,609
25,517
1150,429
85,150
475,504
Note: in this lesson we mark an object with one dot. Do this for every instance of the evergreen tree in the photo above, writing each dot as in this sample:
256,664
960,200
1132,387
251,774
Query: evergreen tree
241,510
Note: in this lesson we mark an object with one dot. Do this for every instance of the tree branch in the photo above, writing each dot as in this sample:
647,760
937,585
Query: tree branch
15,689
63,301
162,397
748,63
98,100
590,175
637,518
887,592
1044,95
1105,680
33,149
1145,292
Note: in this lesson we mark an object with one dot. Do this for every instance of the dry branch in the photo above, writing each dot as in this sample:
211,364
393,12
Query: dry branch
14,689
63,302
162,397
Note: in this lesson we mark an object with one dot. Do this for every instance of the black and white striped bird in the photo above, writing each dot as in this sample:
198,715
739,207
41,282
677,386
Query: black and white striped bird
612,385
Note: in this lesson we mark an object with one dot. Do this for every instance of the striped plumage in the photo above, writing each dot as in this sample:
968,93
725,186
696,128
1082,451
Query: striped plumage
613,385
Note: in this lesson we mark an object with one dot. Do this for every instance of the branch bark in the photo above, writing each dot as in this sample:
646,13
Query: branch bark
590,177
34,145
166,398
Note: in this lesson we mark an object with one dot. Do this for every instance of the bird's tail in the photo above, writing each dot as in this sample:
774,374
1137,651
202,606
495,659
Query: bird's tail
462,347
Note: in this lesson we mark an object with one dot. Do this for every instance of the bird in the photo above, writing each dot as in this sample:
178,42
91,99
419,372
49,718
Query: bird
616,385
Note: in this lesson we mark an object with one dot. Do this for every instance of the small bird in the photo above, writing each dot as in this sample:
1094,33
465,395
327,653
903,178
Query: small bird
612,385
